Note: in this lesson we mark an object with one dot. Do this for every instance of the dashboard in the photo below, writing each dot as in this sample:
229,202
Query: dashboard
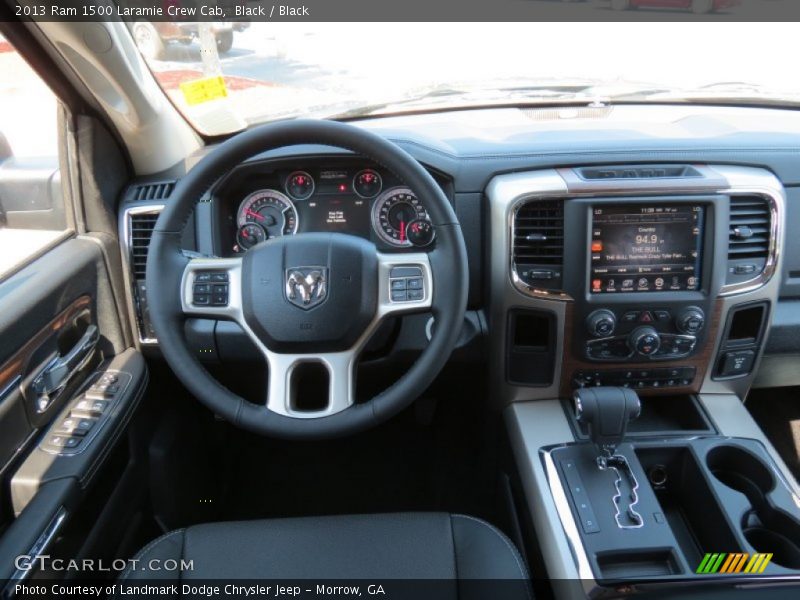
651,259
271,199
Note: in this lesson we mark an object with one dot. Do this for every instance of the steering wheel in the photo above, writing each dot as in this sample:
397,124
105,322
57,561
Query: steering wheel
308,298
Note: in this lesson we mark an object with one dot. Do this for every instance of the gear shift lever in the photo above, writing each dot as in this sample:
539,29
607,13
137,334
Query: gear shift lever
607,411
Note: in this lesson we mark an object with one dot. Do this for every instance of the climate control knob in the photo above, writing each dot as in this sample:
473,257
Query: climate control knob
601,323
690,320
644,341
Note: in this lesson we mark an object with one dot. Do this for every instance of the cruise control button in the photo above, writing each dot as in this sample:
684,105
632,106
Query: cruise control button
415,283
201,299
398,284
416,294
202,277
219,277
399,296
202,288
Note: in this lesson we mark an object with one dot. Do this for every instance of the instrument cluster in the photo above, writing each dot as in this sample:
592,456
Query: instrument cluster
358,200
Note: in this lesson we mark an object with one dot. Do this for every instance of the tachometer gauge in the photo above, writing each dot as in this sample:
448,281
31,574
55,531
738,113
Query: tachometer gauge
367,183
271,210
249,235
392,213
300,185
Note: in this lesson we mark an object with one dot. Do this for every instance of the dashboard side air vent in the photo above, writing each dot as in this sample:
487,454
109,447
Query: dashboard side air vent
638,172
538,243
141,229
140,223
748,237
152,191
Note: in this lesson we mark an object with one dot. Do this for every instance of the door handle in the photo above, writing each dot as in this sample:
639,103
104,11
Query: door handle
55,376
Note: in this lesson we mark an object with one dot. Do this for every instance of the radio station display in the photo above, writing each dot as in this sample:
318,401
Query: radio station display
646,248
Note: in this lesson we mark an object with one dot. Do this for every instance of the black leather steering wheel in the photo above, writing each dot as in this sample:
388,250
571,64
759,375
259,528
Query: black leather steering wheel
309,298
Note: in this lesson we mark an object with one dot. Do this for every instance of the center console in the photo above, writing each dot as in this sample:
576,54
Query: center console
653,283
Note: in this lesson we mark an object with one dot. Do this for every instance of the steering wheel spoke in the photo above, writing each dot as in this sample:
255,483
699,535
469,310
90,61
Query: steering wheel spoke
284,373
212,287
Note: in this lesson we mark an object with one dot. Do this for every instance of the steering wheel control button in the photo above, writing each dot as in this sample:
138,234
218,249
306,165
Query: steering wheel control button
416,295
218,277
399,296
398,284
219,295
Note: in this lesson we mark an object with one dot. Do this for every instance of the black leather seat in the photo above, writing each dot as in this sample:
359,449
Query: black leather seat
440,546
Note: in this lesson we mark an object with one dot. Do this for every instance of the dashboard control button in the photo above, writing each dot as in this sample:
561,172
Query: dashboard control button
662,315
646,317
737,363
645,341
601,323
630,316
690,320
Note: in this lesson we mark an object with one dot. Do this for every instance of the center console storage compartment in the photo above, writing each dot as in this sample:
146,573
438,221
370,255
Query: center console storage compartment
678,415
697,520
696,496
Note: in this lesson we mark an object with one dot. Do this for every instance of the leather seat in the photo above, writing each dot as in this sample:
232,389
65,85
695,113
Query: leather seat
431,546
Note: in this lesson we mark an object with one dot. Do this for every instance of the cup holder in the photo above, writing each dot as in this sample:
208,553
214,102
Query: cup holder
742,471
766,528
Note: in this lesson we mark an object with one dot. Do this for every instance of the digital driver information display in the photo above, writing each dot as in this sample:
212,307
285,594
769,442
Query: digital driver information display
646,248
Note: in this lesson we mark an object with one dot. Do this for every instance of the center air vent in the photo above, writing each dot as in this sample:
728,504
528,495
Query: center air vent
141,229
538,244
748,237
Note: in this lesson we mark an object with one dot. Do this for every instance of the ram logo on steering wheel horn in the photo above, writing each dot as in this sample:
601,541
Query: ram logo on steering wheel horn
306,287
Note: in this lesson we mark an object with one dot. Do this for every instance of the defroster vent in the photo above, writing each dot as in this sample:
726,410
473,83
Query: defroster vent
538,245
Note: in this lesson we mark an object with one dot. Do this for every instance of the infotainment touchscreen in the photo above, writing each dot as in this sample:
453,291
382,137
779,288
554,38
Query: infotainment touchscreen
646,248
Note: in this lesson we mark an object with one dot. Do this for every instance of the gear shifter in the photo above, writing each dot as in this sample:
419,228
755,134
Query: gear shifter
607,411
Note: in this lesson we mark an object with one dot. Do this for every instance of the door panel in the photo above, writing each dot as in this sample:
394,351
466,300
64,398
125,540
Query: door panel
48,311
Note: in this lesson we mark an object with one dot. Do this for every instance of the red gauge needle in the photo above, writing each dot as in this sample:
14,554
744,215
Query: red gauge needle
402,231
254,214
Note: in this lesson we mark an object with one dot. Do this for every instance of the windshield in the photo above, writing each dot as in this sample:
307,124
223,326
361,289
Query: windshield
273,71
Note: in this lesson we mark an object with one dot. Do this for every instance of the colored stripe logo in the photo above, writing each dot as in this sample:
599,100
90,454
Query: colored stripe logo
733,563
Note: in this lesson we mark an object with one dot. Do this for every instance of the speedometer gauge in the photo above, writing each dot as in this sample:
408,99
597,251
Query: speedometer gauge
393,211
272,210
